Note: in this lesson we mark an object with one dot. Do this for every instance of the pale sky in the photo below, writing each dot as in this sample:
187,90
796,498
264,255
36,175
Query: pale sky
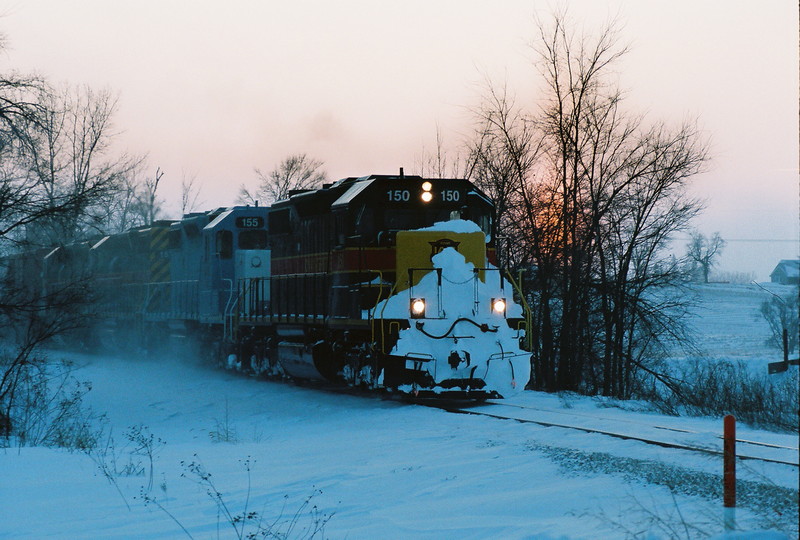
217,88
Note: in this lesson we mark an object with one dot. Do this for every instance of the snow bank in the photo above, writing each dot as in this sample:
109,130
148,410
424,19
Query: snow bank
454,225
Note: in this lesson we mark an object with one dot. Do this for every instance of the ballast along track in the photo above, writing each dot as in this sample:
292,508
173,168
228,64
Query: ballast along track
646,433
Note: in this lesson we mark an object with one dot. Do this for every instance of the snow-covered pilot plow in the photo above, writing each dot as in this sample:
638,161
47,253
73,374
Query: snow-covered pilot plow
451,327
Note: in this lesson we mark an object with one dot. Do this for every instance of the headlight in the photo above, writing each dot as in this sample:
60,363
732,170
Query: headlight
417,308
426,196
499,305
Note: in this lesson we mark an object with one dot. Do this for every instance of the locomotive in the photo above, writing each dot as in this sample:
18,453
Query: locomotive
384,282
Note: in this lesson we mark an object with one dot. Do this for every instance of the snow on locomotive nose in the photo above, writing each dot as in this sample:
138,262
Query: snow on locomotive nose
458,337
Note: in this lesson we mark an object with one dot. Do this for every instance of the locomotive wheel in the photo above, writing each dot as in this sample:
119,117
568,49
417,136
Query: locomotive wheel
366,377
326,362
349,375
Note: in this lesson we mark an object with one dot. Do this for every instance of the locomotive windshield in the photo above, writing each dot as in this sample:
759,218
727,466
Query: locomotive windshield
407,219
253,239
401,219
369,222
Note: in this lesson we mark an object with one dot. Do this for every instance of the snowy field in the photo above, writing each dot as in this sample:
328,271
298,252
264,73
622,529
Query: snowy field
728,322
378,469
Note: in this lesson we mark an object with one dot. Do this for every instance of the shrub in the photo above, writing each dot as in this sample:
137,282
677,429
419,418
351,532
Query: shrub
703,387
248,523
782,313
46,408
224,431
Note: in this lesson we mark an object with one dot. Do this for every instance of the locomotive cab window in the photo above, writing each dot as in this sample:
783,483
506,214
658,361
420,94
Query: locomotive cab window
484,221
253,239
280,221
224,244
365,222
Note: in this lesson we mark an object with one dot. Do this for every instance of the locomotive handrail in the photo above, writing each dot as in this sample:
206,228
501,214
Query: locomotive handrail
439,310
228,313
146,301
476,272
505,356
419,359
243,286
299,277
371,315
383,310
371,312
526,309
184,307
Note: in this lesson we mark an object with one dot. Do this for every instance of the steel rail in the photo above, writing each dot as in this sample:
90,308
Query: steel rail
628,421
663,444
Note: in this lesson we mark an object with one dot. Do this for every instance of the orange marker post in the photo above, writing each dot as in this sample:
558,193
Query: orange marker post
729,475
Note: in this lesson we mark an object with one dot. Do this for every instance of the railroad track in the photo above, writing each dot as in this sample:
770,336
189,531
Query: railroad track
646,433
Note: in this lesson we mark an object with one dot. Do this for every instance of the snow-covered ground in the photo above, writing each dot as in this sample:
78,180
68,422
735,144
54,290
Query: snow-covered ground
375,468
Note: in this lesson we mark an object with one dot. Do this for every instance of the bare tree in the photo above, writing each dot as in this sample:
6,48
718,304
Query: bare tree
149,206
296,172
122,212
592,195
190,192
58,178
440,163
503,158
136,202
72,171
19,205
43,196
781,313
704,251
21,198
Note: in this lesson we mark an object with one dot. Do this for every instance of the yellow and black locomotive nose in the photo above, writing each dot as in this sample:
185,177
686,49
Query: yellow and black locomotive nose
415,250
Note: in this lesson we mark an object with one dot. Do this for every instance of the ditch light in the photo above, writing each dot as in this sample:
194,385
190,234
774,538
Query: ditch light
499,305
417,308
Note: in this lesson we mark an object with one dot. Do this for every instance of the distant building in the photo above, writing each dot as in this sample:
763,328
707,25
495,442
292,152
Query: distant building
787,273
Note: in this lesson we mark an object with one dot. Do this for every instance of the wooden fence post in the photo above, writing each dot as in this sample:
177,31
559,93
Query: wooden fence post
729,476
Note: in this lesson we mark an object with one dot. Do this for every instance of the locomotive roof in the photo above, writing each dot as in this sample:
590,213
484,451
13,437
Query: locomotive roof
228,211
344,191
352,192
216,221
